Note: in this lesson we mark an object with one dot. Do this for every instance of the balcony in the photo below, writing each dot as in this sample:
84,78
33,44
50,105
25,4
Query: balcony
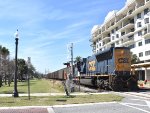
147,32
138,8
147,2
127,41
106,42
140,5
127,26
146,35
106,38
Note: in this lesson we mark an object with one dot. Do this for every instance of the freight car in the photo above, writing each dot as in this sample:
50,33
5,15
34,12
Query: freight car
58,75
109,69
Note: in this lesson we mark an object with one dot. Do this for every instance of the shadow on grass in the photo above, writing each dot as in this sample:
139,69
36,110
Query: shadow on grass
61,100
9,102
10,92
64,98
6,92
71,96
26,84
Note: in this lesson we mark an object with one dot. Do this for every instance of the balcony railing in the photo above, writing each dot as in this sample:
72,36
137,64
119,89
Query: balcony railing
139,5
127,40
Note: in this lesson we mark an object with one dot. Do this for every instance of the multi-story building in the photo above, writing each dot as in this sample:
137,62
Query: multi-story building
129,27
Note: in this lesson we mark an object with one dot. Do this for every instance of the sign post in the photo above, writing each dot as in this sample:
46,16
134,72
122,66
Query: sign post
28,77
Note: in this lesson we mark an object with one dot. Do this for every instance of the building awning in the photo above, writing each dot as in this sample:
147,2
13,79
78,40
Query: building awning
145,65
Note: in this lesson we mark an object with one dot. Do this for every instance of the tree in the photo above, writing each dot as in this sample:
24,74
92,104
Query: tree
5,53
11,70
134,58
77,59
0,66
22,69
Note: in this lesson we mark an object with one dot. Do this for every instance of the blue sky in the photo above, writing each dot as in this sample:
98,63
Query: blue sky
47,26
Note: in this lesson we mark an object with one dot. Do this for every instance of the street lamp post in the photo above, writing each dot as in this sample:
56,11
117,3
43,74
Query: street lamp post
16,66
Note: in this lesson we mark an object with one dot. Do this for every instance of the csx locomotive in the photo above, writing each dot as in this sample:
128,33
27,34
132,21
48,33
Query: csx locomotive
109,69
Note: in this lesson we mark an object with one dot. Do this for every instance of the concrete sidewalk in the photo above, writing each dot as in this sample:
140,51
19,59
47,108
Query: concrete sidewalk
32,94
52,94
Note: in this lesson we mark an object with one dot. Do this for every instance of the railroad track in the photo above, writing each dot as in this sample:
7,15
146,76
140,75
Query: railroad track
84,88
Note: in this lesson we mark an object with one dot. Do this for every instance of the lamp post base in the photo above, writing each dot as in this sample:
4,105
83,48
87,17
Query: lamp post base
15,94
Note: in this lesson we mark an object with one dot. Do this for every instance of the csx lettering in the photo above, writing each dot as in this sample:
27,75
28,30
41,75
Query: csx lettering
123,60
92,66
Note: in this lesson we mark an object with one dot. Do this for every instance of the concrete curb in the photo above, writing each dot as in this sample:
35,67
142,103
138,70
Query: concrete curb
57,106
135,94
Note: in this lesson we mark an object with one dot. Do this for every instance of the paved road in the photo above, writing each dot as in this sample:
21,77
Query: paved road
139,103
106,108
134,102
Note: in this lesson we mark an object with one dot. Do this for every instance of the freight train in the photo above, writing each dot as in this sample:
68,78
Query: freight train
109,69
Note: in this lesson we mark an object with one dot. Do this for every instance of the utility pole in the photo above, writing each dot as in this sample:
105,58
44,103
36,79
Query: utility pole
71,49
72,69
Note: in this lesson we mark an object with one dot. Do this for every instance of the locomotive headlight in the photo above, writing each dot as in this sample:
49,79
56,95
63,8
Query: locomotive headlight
122,51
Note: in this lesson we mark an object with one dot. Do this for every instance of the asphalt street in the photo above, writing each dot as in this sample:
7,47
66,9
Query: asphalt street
130,104
122,107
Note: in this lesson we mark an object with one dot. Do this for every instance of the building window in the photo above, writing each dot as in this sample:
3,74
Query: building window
112,31
103,43
130,37
113,37
117,35
145,31
139,33
147,41
112,23
146,11
140,43
117,43
139,24
97,40
130,12
141,54
146,20
132,30
116,28
147,0
99,44
132,46
99,31
122,33
108,34
147,53
113,45
138,15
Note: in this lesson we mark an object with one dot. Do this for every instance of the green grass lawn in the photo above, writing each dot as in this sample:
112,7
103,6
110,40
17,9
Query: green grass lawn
57,100
49,86
36,86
